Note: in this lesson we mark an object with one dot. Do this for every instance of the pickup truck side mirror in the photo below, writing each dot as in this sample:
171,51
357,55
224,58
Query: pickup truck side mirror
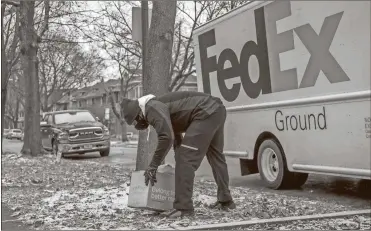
97,118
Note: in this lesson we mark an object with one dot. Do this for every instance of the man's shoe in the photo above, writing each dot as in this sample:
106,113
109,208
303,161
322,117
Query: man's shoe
223,205
175,213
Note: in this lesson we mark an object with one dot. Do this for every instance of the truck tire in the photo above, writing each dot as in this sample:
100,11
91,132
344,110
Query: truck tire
272,164
105,152
273,167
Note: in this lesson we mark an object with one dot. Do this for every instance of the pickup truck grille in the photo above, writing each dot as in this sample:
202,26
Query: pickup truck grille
85,134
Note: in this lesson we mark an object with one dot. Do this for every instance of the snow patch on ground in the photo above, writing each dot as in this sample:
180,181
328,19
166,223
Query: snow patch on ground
95,202
205,199
56,197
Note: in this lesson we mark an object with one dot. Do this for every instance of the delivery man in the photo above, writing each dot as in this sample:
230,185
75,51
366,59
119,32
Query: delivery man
201,117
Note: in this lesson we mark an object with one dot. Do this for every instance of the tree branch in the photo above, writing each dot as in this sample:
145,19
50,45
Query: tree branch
45,23
13,3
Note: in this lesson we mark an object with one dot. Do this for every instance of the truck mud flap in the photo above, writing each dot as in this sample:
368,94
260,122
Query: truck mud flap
248,167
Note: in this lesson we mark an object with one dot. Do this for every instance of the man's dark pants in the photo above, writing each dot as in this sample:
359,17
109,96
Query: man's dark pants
202,137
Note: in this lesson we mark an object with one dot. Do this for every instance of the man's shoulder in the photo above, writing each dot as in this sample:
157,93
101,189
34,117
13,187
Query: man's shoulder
155,104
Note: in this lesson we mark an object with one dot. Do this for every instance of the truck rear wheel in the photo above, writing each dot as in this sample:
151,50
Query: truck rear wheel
105,153
273,167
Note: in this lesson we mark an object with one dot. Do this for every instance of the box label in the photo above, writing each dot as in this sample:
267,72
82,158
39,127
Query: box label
162,195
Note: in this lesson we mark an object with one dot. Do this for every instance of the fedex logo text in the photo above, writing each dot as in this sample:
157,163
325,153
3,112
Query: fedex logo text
267,48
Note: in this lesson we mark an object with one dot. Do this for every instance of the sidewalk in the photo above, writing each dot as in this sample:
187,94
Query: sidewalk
128,144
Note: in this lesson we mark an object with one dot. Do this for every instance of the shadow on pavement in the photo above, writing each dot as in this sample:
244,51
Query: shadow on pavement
346,187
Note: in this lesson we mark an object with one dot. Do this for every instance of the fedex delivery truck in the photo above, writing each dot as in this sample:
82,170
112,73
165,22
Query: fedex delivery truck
295,78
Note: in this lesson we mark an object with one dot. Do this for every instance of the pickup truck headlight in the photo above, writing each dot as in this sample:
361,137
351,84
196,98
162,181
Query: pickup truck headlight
105,131
63,135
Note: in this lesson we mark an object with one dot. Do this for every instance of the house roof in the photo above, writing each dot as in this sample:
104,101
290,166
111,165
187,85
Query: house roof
98,89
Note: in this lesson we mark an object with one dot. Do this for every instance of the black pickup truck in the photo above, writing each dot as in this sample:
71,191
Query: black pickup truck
74,132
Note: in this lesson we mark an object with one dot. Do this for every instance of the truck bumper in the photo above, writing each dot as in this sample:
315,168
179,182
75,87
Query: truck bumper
84,147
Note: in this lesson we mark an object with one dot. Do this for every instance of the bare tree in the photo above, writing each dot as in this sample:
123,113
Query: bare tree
188,19
30,39
14,100
65,65
9,48
112,33
127,75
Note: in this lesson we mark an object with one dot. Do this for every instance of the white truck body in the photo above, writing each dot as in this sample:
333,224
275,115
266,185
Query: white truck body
297,70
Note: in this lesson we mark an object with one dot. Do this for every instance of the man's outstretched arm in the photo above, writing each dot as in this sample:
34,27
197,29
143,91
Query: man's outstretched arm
159,117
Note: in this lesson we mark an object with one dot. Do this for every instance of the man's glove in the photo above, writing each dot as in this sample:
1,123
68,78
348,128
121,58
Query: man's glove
150,175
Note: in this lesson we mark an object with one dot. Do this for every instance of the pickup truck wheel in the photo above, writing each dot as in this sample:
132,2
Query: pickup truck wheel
105,153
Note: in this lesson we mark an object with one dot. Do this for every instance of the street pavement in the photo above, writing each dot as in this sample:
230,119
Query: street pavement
341,190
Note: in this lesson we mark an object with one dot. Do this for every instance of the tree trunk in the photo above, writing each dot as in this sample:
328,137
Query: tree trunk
156,78
16,116
29,47
4,73
124,130
3,93
45,100
124,136
3,102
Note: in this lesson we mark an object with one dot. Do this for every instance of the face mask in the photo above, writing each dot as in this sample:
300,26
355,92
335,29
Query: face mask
140,123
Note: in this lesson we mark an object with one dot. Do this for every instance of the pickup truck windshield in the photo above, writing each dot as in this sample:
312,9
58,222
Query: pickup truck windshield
73,117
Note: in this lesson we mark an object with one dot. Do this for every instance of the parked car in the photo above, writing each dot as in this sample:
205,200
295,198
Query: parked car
6,132
129,135
76,131
14,134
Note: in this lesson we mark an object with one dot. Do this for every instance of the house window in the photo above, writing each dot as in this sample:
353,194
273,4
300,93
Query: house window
138,91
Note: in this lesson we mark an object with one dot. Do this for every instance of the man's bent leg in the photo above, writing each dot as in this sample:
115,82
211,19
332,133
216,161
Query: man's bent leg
188,158
217,160
219,166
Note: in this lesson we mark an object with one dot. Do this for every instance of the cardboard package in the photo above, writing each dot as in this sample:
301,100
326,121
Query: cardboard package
159,197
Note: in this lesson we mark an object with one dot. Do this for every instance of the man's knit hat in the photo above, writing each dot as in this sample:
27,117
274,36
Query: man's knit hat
129,109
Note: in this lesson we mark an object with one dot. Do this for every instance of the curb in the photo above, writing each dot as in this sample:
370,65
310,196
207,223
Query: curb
236,224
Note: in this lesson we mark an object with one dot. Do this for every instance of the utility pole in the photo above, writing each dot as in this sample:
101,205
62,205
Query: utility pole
144,36
142,156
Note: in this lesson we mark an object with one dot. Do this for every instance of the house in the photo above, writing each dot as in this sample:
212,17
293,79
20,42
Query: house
95,98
